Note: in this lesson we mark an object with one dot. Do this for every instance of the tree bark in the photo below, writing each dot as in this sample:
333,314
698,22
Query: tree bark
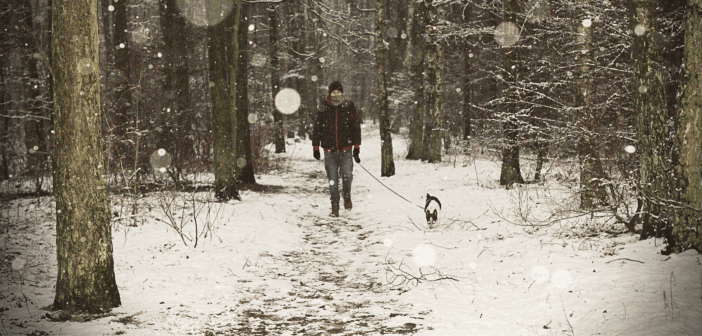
387,165
179,120
245,171
467,95
592,193
433,130
651,119
687,232
416,57
278,126
86,279
511,171
222,46
121,80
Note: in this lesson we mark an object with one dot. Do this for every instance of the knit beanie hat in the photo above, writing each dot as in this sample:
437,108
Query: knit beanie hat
336,85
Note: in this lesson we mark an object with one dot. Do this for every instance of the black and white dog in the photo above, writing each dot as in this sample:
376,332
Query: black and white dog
432,209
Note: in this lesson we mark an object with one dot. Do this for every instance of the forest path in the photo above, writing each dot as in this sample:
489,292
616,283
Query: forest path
330,286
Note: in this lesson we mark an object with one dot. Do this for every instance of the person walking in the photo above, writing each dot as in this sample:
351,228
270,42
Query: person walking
337,129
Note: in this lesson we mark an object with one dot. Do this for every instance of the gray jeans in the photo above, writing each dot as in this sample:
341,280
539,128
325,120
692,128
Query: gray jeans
340,163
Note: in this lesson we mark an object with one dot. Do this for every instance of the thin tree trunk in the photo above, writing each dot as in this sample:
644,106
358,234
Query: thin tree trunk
687,232
278,126
433,130
387,165
86,279
592,193
416,57
122,79
4,168
651,118
467,95
245,171
511,171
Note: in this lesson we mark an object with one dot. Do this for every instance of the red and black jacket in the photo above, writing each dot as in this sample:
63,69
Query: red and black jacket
337,127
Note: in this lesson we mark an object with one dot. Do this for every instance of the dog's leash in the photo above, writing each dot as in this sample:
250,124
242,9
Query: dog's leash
369,173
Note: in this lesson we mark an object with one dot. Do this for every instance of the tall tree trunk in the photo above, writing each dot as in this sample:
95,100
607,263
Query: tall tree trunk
4,100
176,32
121,76
222,46
86,278
245,171
387,165
651,118
433,130
687,232
416,57
591,191
467,95
278,127
511,171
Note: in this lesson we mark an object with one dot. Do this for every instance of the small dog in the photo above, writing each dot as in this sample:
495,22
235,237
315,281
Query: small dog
432,209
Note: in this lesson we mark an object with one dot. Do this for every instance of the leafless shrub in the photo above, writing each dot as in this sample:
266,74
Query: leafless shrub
181,208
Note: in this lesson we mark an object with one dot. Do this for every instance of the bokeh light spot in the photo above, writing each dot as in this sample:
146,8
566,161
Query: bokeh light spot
241,162
18,264
561,279
424,255
540,274
639,30
160,159
587,23
287,101
506,34
205,12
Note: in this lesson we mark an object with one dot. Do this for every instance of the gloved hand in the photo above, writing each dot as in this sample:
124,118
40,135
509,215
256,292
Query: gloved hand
356,151
316,154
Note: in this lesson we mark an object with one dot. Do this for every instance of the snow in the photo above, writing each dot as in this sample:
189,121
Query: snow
276,261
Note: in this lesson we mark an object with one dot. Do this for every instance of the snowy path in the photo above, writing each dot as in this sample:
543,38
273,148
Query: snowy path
329,286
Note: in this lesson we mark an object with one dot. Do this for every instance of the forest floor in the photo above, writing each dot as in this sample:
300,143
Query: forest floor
277,264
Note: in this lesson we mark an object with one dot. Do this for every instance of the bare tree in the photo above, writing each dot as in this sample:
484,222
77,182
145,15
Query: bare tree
591,192
223,51
433,127
387,165
417,10
511,172
86,279
687,232
651,118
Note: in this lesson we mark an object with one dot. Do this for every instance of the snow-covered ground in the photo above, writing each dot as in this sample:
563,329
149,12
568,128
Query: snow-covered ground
276,264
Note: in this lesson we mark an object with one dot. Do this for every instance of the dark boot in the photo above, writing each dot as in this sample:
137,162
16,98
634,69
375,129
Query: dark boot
347,202
335,210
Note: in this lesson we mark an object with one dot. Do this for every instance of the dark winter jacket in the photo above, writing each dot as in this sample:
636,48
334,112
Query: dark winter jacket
337,127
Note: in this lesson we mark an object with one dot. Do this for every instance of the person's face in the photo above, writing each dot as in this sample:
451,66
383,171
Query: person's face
336,97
